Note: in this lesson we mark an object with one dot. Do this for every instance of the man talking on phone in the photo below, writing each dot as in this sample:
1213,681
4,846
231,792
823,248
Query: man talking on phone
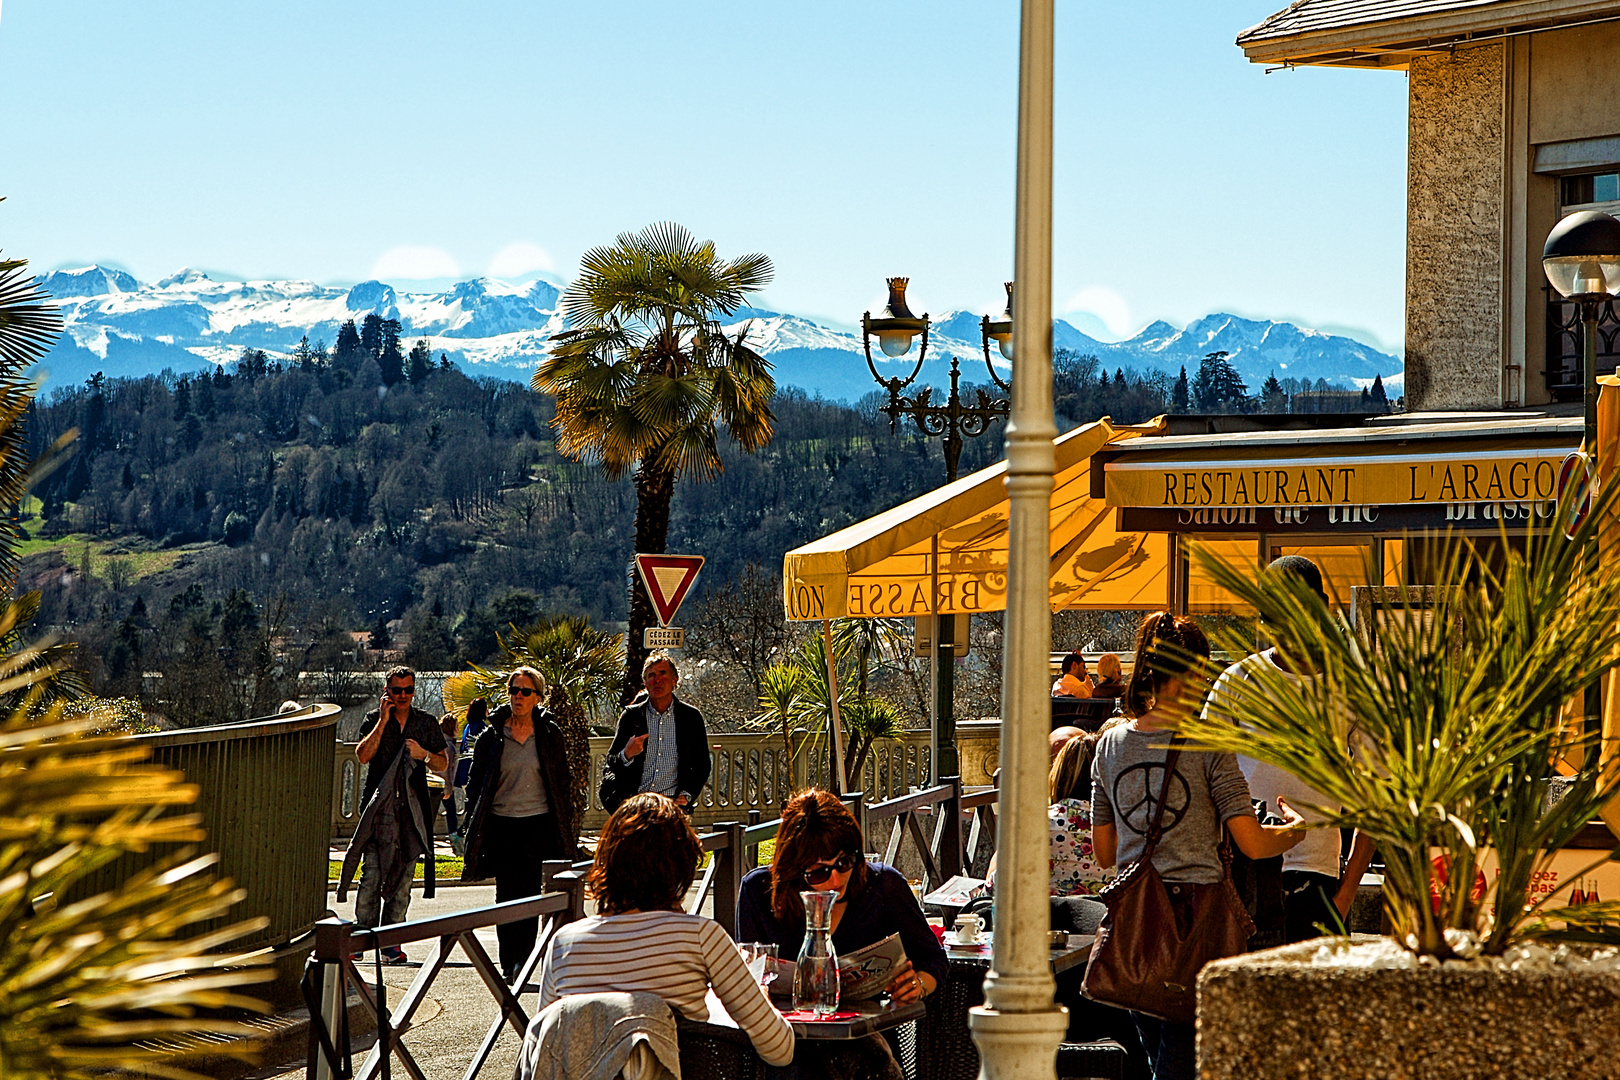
394,731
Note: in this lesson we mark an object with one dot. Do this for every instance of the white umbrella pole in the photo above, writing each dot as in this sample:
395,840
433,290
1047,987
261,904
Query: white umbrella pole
1018,1028
837,718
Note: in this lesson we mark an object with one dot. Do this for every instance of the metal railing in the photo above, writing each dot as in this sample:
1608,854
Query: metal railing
255,782
332,973
733,848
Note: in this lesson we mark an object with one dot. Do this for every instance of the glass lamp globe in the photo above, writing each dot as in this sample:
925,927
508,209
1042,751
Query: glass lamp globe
1000,329
894,342
1582,255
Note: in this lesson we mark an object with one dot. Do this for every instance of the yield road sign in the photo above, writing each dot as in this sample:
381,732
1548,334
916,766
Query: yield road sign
667,579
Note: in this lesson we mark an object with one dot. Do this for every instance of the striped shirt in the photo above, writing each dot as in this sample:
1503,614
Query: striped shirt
671,954
663,759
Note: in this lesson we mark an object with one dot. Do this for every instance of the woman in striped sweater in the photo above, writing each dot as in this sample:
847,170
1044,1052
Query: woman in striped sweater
646,859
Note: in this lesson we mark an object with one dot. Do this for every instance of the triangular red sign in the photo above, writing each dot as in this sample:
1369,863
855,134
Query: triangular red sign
667,579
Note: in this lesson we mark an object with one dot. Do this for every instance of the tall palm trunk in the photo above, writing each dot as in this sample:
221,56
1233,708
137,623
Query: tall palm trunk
654,489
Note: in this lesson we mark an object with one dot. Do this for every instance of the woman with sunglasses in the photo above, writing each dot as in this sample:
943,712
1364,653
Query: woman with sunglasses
520,806
818,846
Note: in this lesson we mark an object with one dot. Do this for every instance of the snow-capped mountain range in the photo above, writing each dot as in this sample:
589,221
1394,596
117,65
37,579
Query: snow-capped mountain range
120,326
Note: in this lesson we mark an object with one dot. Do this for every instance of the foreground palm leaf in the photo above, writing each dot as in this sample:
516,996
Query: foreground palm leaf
644,374
85,981
1440,733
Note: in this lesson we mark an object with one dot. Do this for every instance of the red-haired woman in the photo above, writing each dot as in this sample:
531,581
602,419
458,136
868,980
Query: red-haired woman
640,939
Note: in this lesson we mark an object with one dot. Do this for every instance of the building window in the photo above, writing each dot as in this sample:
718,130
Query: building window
1598,191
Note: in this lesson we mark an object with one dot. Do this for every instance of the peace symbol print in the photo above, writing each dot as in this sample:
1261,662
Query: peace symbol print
1136,792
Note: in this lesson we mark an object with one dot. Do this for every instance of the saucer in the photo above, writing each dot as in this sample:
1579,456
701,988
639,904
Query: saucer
953,939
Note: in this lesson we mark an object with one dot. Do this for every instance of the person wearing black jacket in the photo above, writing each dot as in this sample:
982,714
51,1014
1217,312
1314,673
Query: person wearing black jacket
661,744
520,806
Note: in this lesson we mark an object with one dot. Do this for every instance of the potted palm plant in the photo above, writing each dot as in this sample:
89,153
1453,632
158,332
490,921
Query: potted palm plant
1439,729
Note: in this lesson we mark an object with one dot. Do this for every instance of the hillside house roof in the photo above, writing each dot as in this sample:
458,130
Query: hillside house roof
1389,33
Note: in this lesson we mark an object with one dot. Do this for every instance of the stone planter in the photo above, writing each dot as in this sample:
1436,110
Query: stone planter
1275,1014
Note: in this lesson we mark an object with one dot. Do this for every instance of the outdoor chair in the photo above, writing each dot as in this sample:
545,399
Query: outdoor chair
716,1051
1087,714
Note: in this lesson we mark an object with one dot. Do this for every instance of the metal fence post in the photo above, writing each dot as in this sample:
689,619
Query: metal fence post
571,882
950,836
728,876
856,801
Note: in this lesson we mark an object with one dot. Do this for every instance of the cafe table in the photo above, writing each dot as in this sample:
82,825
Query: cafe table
871,1016
1070,955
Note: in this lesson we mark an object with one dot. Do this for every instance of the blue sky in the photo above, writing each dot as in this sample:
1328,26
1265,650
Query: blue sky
849,141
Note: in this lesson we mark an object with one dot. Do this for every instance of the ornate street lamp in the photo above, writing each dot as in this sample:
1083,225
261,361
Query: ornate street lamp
1582,260
894,327
954,419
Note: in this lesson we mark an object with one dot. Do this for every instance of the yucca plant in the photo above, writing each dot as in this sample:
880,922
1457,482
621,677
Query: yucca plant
1440,731
87,983
796,699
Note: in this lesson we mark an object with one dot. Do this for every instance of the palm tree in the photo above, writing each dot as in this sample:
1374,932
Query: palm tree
644,374
581,665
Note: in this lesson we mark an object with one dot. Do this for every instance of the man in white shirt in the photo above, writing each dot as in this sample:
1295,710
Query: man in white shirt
661,744
1317,890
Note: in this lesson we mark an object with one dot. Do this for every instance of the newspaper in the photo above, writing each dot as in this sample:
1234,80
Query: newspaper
957,892
862,974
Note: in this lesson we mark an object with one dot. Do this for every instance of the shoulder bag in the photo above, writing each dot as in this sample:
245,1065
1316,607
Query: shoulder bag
1150,948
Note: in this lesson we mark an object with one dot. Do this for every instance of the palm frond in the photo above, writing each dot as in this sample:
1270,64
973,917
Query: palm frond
29,323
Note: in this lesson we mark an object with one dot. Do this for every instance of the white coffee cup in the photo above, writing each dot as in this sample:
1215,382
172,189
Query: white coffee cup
967,929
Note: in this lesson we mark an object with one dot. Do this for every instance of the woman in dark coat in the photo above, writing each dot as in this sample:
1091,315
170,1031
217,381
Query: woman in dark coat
519,806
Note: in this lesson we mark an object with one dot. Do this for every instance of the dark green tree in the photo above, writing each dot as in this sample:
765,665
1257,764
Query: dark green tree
182,398
1217,387
421,363
1272,397
347,350
1380,400
1179,399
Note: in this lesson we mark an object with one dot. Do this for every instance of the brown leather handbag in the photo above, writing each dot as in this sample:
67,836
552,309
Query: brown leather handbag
1150,947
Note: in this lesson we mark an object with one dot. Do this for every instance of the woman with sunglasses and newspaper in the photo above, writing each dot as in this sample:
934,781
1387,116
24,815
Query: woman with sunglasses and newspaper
819,847
520,806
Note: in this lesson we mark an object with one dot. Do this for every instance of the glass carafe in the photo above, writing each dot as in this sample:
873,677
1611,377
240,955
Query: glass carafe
815,982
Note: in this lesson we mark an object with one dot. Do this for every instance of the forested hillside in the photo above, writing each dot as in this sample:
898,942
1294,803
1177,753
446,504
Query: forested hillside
228,530
306,503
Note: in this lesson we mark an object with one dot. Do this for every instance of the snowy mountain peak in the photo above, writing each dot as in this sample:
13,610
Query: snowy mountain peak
91,280
374,297
186,322
184,276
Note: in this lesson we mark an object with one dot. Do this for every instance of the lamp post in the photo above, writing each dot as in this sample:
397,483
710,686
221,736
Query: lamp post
1582,261
1018,1027
954,419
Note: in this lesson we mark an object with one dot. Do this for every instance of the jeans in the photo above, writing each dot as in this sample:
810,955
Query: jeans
1171,1048
368,899
1308,904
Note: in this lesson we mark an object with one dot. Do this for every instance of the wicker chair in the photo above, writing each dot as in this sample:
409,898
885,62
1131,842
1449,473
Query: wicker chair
715,1051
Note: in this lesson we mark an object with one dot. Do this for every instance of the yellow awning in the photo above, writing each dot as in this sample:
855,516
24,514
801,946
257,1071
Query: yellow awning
946,552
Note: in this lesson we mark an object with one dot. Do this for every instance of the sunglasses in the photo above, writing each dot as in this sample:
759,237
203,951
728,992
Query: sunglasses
402,691
521,691
818,875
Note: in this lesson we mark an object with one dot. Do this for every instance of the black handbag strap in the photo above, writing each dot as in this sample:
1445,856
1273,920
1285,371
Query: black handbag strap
1155,827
